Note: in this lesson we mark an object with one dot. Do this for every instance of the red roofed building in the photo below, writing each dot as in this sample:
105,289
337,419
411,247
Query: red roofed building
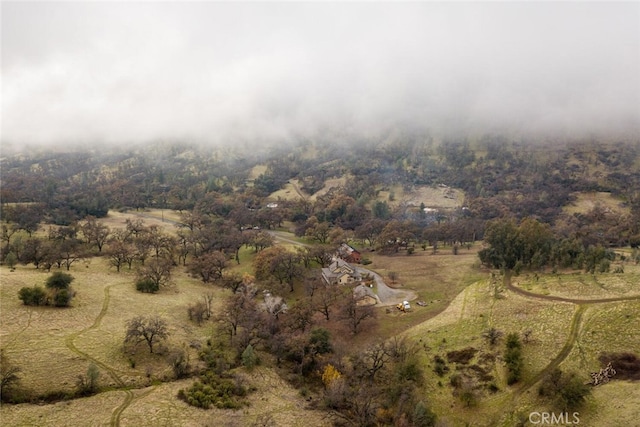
349,254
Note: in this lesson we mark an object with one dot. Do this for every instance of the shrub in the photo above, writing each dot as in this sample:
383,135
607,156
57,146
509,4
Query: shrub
455,380
180,363
11,260
59,280
423,416
567,390
197,312
409,370
88,384
147,286
441,367
468,397
213,390
320,339
573,393
62,298
9,379
33,296
492,335
329,375
604,266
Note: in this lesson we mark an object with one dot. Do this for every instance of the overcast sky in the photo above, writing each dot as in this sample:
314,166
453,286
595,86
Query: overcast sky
135,71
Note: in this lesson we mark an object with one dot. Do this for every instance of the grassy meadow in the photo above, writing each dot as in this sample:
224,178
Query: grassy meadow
156,405
605,327
66,340
586,201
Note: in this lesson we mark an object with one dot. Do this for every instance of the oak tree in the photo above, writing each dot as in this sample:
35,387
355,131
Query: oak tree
146,329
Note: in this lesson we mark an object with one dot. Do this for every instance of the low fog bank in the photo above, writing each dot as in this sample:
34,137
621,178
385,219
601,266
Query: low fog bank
247,74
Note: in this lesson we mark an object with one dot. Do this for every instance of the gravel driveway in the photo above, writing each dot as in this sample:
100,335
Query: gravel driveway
386,295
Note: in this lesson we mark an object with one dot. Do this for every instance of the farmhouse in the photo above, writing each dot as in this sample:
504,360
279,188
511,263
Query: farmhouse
340,272
349,254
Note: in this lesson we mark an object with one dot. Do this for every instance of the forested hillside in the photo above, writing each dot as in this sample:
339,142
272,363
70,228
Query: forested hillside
499,178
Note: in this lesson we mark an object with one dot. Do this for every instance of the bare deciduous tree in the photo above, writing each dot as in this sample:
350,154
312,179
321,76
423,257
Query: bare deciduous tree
209,266
354,314
158,270
325,300
95,232
197,312
147,329
8,375
239,310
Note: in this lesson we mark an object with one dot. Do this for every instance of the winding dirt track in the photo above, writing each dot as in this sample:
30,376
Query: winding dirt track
575,325
566,349
69,341
70,338
517,290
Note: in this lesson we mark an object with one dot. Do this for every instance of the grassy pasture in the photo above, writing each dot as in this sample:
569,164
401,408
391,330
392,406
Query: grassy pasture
586,201
42,340
115,219
290,191
612,328
432,197
603,327
578,285
257,171
328,185
436,279
157,405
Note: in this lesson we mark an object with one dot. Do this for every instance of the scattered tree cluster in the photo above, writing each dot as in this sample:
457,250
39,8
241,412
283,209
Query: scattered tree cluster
532,245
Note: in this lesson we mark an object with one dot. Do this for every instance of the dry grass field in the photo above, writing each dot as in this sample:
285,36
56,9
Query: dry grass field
585,202
257,171
433,197
436,279
42,339
164,219
329,184
157,405
598,327
290,191
577,285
